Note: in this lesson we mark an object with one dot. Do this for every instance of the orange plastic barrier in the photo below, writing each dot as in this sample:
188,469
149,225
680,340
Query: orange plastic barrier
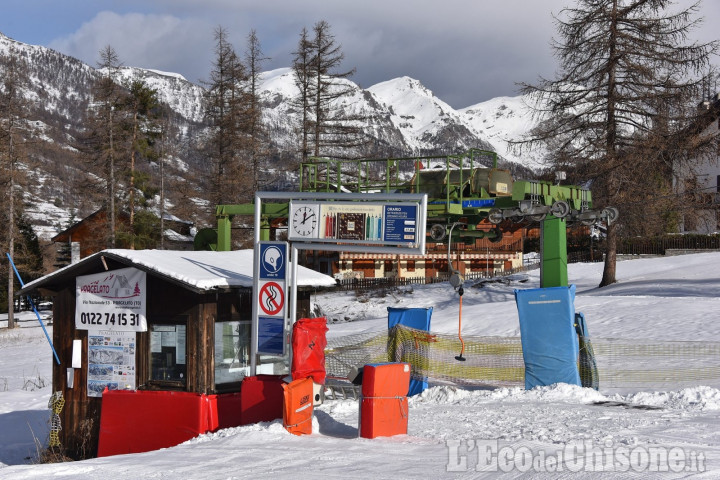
141,421
298,406
384,404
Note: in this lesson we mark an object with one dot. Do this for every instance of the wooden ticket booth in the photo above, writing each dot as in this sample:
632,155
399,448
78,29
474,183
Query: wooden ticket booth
152,321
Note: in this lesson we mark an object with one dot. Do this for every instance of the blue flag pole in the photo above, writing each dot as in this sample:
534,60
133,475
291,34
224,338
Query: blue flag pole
17,274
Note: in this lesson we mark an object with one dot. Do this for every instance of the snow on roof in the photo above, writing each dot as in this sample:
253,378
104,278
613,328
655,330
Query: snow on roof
202,270
177,237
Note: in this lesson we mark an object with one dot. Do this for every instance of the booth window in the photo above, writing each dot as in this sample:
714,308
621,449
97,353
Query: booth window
232,352
168,341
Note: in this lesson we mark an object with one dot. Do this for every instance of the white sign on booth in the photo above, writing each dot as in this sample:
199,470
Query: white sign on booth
114,300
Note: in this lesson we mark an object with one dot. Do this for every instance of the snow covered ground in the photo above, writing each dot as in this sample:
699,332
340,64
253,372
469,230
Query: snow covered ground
551,432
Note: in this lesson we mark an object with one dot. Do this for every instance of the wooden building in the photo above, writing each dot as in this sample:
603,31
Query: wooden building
91,233
480,256
196,337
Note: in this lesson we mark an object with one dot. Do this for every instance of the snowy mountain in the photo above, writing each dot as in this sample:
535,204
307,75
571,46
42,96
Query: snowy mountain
426,122
505,119
401,117
184,97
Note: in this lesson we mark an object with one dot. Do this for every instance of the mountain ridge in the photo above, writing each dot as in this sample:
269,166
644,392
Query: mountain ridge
401,116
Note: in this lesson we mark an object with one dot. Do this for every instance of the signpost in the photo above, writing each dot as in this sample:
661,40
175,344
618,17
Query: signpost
269,310
347,222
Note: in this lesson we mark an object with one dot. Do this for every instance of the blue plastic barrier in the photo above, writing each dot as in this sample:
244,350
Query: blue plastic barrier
419,319
548,337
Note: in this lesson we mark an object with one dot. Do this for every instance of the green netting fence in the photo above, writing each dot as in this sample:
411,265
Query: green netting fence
498,361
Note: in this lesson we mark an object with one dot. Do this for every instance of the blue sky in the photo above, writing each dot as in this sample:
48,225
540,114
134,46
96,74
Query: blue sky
465,51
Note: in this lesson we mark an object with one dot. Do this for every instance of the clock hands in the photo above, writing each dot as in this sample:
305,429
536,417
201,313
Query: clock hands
306,217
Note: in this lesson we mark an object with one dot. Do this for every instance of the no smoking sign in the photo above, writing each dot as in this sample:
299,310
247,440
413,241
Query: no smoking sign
271,298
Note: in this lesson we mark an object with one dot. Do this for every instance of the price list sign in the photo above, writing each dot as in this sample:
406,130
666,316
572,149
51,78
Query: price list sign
400,223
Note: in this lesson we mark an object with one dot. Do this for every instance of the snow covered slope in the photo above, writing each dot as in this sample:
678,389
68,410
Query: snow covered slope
559,431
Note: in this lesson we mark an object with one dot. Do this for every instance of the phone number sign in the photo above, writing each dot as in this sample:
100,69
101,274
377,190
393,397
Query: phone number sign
113,300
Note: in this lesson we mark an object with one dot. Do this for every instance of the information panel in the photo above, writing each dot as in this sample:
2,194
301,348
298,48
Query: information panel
400,223
354,222
111,361
271,335
113,300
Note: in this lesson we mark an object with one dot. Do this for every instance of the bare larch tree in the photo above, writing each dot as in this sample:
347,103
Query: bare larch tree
617,113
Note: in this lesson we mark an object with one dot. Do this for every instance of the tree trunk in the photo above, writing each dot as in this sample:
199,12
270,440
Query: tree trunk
132,181
609,268
611,151
111,190
11,241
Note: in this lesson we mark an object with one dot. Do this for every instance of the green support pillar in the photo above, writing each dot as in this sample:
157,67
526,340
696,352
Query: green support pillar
223,240
553,259
264,229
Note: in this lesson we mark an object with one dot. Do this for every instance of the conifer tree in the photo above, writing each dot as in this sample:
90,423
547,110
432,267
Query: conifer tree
257,136
141,104
332,125
13,129
327,126
104,138
224,111
623,99
302,59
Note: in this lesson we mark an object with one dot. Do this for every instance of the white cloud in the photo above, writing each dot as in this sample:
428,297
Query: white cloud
466,52
163,42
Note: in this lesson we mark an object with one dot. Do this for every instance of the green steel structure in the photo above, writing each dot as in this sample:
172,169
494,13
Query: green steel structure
462,189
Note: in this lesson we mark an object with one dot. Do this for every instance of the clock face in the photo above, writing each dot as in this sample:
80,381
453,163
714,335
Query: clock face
305,222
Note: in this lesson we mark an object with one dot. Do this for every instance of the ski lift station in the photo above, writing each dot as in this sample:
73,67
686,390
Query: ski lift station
155,347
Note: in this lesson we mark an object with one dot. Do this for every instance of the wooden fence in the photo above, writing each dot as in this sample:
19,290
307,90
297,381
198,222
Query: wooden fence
661,245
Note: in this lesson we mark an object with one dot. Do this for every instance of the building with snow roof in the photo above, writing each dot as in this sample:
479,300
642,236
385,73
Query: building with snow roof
154,321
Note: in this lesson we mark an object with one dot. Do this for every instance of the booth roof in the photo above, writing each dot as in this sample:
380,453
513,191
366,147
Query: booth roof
200,271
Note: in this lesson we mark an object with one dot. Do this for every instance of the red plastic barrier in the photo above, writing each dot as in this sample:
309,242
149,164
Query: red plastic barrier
261,399
141,421
298,406
308,346
229,410
384,404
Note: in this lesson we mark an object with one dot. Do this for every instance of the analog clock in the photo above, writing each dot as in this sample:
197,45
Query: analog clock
304,221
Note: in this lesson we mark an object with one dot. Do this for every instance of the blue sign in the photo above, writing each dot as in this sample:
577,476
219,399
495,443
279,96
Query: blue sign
271,335
273,259
401,224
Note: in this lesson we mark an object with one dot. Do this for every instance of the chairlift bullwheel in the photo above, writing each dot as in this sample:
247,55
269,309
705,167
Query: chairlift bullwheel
438,232
495,216
611,213
560,209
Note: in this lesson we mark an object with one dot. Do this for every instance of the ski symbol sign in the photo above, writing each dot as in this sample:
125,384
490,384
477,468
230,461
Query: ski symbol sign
272,299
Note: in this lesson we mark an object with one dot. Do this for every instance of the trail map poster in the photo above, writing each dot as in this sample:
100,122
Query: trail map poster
113,300
111,361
